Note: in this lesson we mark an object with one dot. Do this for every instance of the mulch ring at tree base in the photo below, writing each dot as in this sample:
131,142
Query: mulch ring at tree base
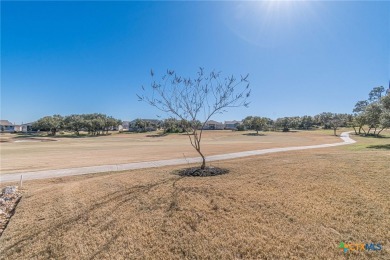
198,172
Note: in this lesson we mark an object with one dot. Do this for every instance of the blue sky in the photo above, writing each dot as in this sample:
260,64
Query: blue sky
85,57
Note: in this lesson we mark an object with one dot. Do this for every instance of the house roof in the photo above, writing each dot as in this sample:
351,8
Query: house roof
5,123
146,120
214,122
232,122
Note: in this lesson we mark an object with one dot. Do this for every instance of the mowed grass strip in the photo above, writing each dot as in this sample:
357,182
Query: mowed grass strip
33,155
295,205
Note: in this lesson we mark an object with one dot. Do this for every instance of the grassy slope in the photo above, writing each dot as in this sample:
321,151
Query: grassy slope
287,205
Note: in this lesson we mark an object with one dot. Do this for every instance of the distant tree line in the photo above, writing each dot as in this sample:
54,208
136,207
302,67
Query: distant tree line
326,120
169,125
144,125
94,124
370,117
173,125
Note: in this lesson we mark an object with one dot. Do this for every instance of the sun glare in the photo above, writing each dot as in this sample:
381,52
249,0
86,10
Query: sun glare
282,10
267,22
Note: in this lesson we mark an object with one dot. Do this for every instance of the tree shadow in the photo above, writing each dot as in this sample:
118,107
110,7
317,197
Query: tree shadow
66,223
33,138
77,136
372,136
37,136
26,136
157,135
380,146
253,134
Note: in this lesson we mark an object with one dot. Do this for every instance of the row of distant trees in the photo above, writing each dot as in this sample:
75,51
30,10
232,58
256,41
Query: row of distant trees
94,124
372,113
172,125
169,125
326,120
370,117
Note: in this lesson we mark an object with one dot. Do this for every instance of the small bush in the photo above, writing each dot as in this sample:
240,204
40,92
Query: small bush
240,128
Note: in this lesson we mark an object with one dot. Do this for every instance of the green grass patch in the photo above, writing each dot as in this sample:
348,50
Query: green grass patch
366,143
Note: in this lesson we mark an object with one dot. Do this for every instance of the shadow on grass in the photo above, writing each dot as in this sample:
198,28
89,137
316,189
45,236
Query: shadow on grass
27,136
77,136
157,135
372,136
380,146
65,224
253,134
34,136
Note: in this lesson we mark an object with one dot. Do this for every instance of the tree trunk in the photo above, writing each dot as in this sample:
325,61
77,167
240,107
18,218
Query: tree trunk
377,135
354,128
334,131
203,159
203,163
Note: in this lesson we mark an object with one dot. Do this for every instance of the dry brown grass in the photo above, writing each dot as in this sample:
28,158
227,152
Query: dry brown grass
295,205
126,148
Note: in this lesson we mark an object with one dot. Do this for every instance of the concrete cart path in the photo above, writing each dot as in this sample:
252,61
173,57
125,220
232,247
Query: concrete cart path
12,177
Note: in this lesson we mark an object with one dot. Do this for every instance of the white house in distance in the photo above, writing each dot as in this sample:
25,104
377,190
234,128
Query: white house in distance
18,128
214,125
25,128
6,126
125,125
232,125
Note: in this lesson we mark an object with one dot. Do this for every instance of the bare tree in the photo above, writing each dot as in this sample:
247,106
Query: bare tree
197,99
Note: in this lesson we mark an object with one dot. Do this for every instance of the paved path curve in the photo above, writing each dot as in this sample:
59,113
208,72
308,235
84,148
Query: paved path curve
141,165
